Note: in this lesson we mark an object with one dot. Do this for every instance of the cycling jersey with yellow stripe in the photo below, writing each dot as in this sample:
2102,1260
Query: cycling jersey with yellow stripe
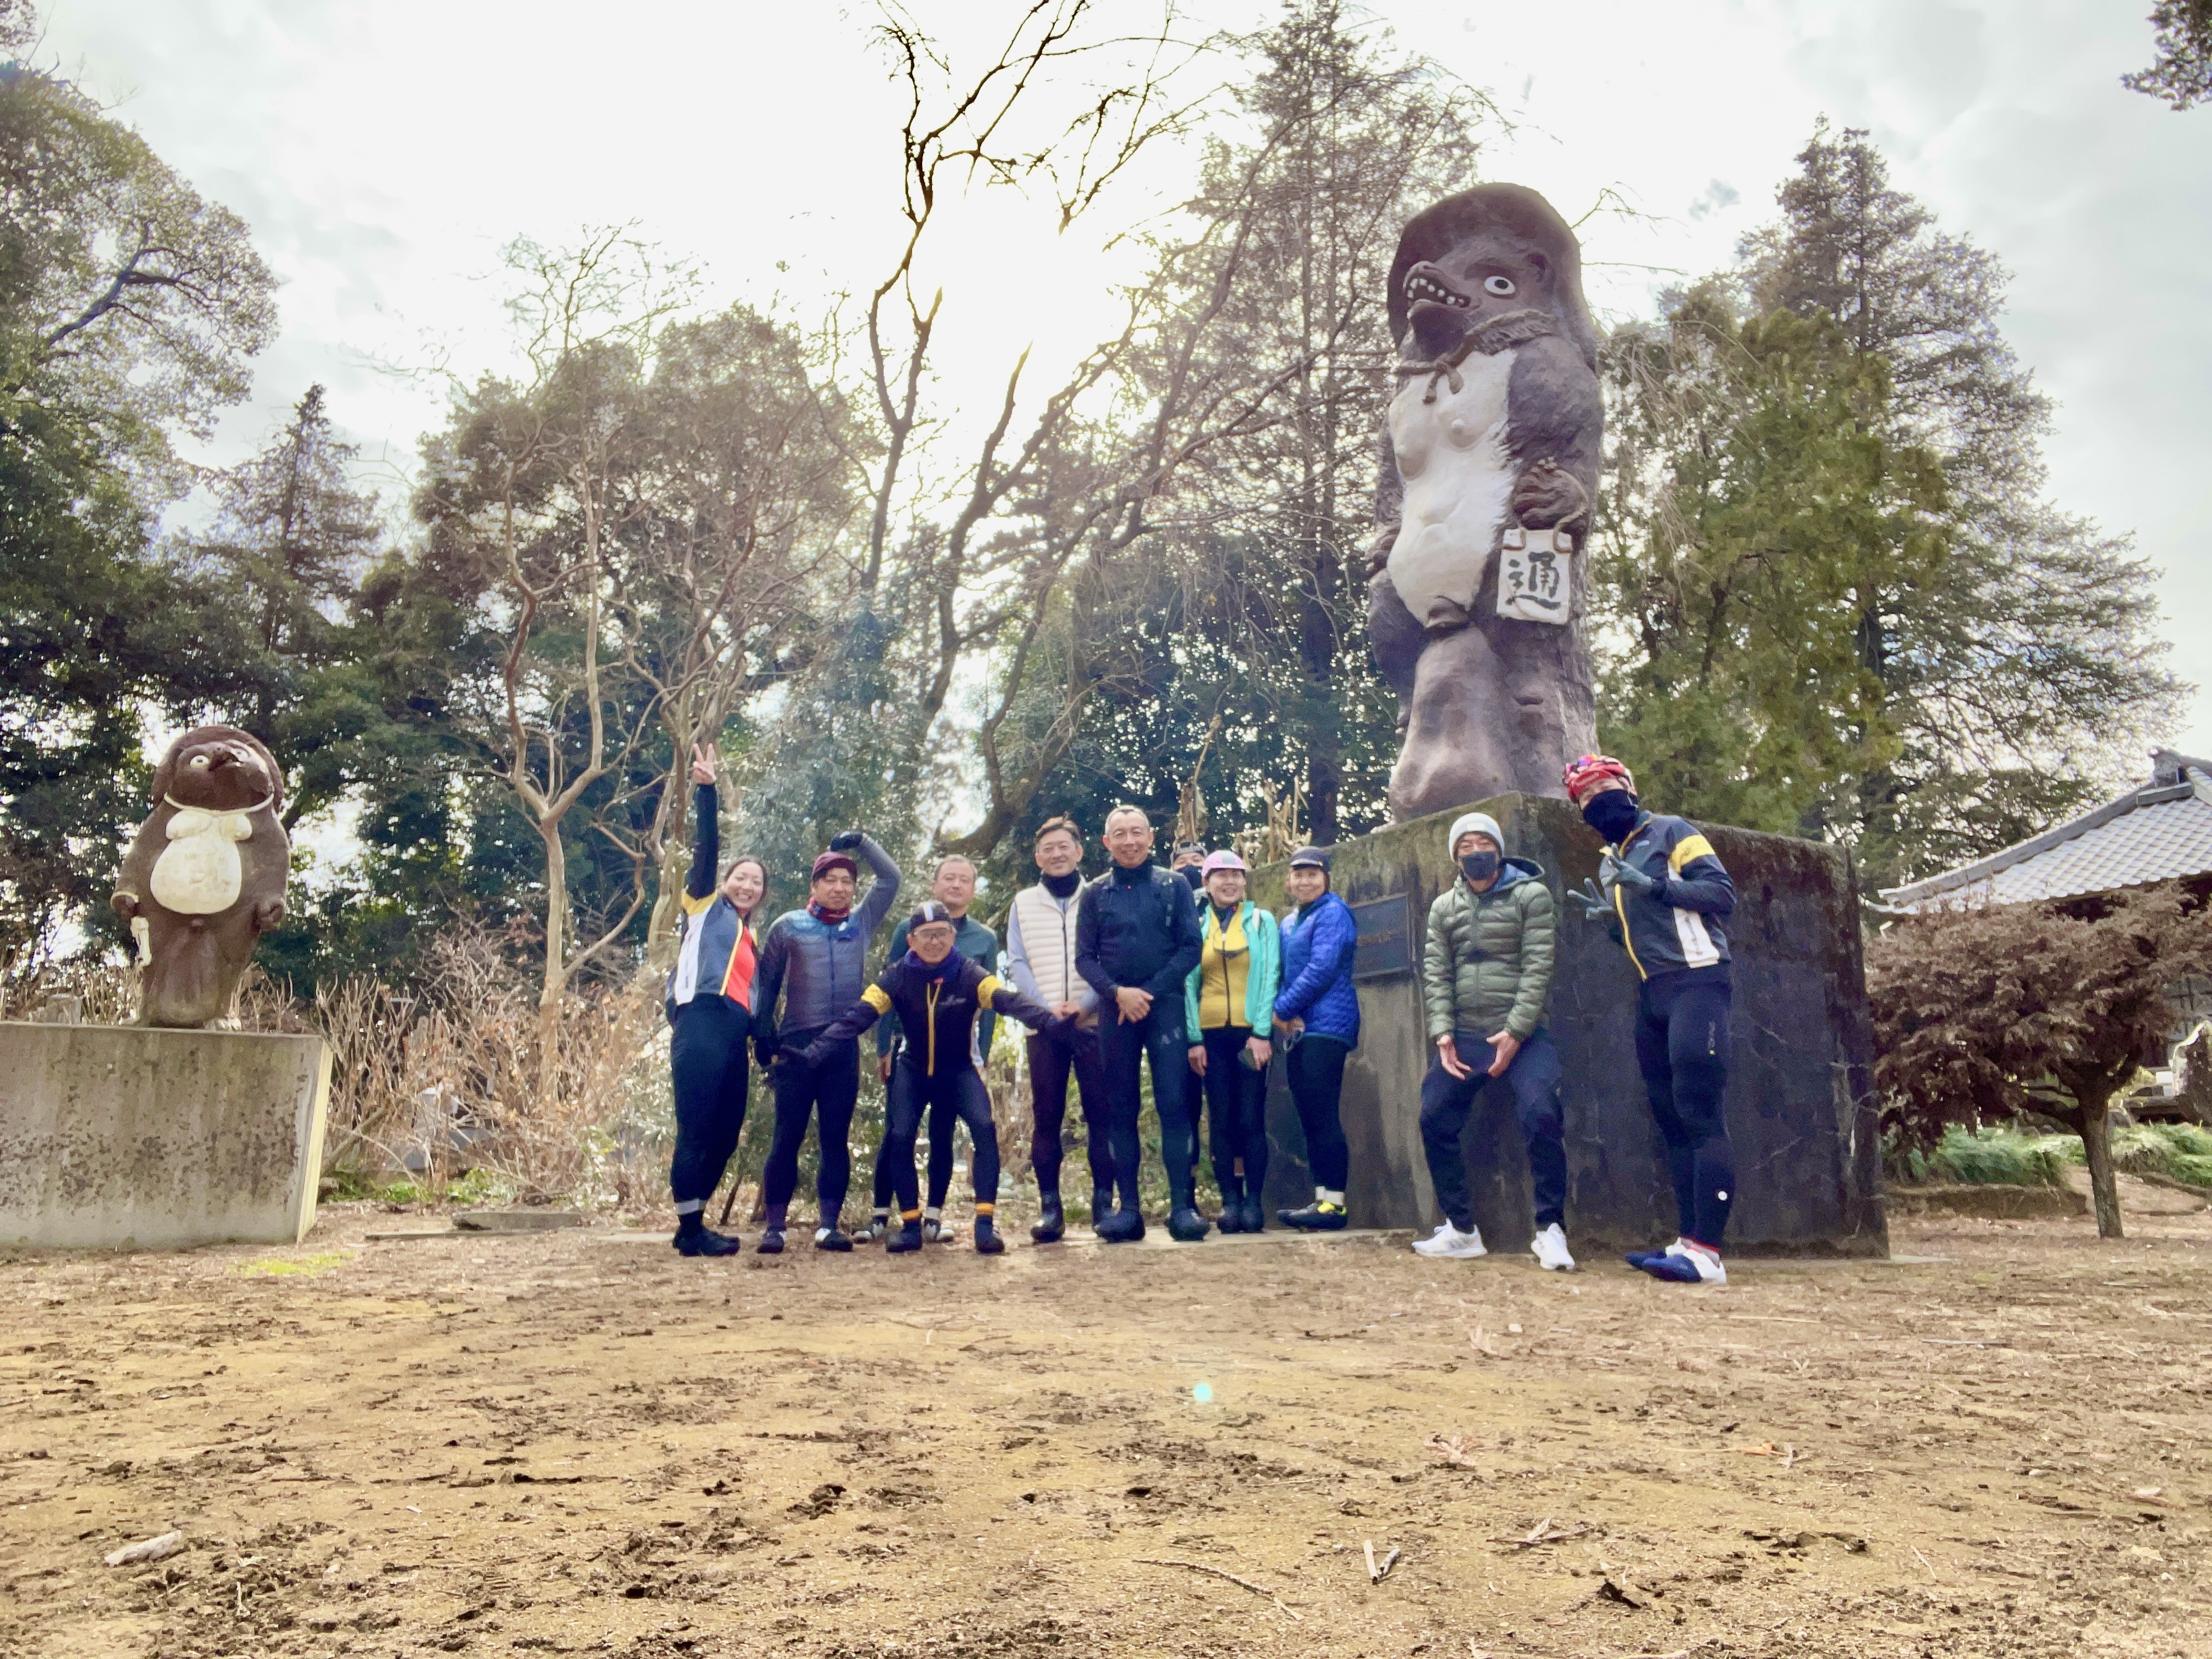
936,1011
1682,929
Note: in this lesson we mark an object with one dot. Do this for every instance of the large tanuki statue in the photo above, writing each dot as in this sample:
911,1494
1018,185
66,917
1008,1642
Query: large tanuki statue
205,877
1489,469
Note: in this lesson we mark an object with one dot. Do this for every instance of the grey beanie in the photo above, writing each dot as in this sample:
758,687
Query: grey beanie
1479,823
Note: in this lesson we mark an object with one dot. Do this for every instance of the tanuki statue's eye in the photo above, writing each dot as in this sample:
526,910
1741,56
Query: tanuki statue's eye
1499,285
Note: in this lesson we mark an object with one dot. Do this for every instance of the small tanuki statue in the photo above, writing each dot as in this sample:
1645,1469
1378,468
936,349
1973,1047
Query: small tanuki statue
1489,468
205,876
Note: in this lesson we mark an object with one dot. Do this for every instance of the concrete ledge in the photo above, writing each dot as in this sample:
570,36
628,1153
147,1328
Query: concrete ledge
124,1136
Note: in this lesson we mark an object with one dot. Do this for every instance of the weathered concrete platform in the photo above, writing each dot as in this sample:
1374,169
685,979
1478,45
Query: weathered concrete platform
1801,1102
119,1136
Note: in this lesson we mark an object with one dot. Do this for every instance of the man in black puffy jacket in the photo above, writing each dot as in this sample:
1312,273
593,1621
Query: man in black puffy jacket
815,960
1136,941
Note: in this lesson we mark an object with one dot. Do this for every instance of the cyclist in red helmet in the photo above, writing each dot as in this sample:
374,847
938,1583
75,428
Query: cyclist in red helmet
1664,894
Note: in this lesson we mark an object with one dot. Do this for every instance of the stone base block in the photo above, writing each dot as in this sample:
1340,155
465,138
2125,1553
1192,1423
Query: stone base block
1801,1104
122,1136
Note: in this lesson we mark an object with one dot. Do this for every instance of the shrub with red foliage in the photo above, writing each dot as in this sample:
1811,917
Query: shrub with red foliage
1980,1014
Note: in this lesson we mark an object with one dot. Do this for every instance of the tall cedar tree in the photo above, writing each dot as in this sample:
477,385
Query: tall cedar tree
2005,651
2023,675
290,544
1257,616
1981,1014
1757,515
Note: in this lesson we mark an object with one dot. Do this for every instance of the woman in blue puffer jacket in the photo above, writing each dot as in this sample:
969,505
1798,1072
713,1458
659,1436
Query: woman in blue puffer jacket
1317,1016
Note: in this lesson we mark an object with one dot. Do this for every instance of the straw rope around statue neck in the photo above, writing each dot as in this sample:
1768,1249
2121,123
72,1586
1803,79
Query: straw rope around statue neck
1500,333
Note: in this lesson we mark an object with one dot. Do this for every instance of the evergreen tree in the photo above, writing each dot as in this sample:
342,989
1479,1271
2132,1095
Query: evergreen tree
2019,672
1757,515
292,539
128,305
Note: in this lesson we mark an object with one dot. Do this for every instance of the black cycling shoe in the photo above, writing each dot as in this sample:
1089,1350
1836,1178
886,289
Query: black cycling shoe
987,1242
1051,1223
904,1241
1254,1214
1102,1204
771,1242
1186,1225
705,1241
829,1238
1315,1218
1120,1227
1232,1213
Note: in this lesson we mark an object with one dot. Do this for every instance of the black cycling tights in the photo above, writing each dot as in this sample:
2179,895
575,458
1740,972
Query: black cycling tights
1682,1050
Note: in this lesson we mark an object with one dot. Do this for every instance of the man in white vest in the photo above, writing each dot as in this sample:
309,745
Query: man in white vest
1041,959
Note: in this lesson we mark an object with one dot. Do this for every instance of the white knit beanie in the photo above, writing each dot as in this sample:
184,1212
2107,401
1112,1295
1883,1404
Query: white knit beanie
1479,823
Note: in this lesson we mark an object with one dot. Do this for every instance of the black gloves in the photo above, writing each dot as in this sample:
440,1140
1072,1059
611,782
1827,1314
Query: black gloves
1619,873
845,842
1596,906
812,1056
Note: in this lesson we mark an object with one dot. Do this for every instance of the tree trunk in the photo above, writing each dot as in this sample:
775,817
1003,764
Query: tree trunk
674,861
549,996
2096,1126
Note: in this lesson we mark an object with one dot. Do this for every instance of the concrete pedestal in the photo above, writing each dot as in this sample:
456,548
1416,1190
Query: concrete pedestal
119,1135
1801,1104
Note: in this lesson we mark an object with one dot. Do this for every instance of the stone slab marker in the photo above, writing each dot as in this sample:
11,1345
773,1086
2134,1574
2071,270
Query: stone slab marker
1801,1102
117,1135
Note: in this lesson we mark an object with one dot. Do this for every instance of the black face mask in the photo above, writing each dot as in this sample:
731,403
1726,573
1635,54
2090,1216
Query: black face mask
1612,814
1479,867
1192,877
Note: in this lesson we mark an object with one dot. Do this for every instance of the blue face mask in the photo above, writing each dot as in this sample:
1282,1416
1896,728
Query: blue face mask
1612,814
1479,867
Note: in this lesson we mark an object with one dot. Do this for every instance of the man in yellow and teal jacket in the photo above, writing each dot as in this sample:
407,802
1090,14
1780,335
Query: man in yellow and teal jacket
1229,1013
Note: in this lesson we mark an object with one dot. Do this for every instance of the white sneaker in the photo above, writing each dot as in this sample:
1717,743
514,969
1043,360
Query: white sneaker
1449,1240
1707,1262
1550,1249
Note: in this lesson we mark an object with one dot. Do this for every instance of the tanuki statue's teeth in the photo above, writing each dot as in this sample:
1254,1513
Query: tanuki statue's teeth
1418,287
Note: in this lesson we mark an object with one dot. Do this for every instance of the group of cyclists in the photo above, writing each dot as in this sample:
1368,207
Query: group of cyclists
1173,970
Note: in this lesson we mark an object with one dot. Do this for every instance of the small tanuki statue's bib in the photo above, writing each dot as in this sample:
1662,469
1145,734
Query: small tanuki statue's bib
199,872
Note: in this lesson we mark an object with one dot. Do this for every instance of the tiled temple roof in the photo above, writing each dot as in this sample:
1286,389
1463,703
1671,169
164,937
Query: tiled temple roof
2156,833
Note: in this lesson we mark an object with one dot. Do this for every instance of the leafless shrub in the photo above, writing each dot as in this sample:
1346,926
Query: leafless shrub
107,992
1007,1075
446,1080
449,1079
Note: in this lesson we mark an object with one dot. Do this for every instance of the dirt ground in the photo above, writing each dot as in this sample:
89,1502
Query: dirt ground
581,1443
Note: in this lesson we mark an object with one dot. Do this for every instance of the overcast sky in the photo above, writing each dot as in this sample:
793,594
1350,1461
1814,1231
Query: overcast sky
383,152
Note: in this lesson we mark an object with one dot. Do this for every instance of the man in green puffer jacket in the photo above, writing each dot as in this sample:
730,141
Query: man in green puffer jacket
1486,977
